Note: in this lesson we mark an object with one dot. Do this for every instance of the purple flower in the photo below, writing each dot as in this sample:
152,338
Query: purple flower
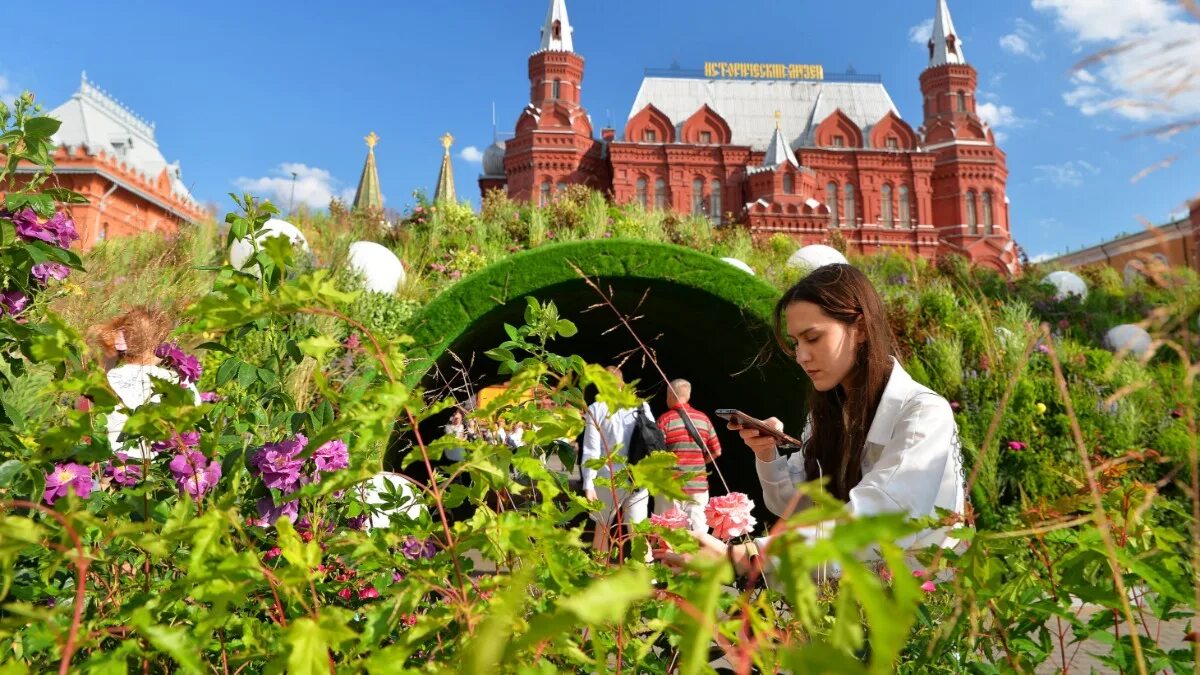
65,477
1016,446
44,272
418,548
269,514
122,474
352,342
279,465
63,229
186,365
1043,348
357,522
193,475
397,577
29,229
332,456
178,441
13,302
209,397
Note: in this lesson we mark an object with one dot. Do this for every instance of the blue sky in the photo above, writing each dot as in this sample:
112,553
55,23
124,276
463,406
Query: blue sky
239,90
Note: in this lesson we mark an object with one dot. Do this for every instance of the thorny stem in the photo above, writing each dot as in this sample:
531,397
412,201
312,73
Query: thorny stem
81,566
1102,522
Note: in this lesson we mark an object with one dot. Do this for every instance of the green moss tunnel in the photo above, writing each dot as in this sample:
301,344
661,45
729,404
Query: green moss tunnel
705,320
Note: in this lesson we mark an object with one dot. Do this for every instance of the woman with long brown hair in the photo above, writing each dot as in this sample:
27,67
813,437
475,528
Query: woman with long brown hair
881,441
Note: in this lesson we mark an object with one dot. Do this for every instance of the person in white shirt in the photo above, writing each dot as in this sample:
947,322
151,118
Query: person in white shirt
608,432
128,343
884,442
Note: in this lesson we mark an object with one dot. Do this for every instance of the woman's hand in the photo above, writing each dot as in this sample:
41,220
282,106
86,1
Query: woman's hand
763,445
710,547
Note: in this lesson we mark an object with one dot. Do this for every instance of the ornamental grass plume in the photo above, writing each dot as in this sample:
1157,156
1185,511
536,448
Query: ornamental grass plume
672,520
729,515
67,477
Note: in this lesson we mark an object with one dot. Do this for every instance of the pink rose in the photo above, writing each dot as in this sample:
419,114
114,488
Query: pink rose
928,586
672,520
729,515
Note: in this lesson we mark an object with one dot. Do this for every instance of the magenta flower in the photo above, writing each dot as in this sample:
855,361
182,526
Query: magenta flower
186,365
1043,348
1016,446
13,302
279,465
177,441
929,586
332,456
44,272
672,520
269,514
209,397
123,474
63,229
67,477
729,515
352,342
414,548
272,553
193,475
29,229
368,593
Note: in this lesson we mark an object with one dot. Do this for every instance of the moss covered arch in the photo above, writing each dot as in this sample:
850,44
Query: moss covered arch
707,321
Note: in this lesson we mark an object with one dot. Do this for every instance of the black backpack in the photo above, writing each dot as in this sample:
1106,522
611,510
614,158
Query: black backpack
647,437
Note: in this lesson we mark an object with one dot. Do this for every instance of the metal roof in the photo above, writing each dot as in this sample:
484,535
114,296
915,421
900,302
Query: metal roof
943,28
93,119
749,106
562,42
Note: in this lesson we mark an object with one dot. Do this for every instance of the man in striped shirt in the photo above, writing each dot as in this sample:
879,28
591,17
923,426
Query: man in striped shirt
690,457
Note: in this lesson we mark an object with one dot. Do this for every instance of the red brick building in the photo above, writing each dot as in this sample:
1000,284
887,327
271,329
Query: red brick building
776,148
110,155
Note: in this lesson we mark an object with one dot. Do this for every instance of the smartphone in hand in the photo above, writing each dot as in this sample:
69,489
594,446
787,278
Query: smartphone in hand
743,420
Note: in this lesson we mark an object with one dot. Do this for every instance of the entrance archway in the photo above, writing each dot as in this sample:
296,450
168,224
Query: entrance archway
706,321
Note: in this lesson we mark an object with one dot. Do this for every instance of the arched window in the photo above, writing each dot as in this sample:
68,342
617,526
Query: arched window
660,194
555,88
545,198
642,197
988,225
102,233
972,219
889,220
831,200
962,102
905,208
556,30
714,199
789,184
697,197
851,210
560,188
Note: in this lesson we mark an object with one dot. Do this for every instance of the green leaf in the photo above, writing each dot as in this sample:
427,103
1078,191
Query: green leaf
309,653
174,641
565,328
318,346
266,377
41,127
214,347
65,196
10,470
247,374
226,371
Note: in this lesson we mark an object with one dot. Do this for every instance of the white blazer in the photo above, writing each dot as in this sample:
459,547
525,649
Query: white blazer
912,463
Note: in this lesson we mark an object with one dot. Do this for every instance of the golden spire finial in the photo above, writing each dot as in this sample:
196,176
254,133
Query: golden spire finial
447,141
778,117
371,140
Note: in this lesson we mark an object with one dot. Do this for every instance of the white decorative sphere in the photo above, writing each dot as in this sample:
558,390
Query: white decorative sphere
739,264
1065,284
242,250
381,270
1130,338
813,256
372,492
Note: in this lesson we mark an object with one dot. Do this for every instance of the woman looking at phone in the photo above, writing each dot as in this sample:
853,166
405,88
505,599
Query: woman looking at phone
884,442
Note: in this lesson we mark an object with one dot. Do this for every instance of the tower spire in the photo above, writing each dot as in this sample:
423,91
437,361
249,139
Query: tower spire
368,195
778,150
445,185
556,34
945,45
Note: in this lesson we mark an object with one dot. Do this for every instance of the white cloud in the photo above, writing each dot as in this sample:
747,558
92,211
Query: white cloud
1068,174
1142,57
1041,257
8,91
314,186
999,117
471,154
920,33
1025,40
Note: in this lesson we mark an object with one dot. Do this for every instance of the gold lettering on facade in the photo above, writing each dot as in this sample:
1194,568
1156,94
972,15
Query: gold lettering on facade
777,71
